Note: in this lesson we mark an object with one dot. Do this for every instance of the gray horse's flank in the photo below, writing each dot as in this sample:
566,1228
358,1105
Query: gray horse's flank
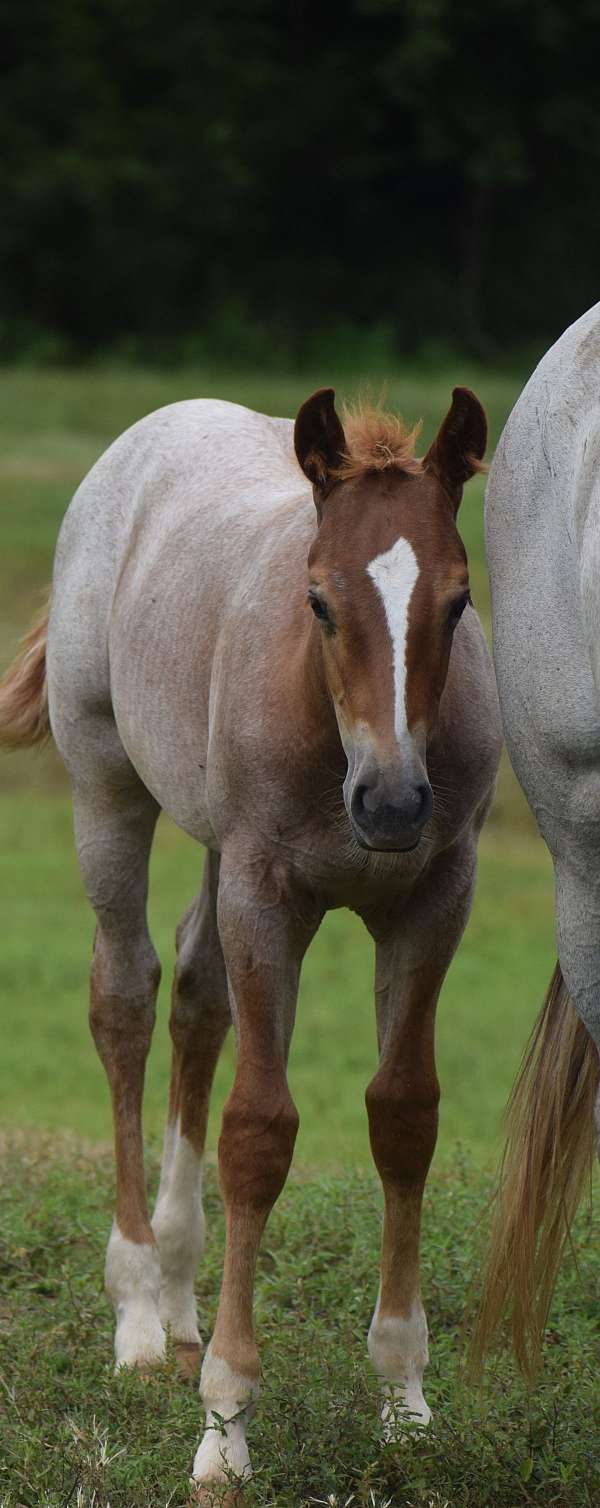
543,548
303,744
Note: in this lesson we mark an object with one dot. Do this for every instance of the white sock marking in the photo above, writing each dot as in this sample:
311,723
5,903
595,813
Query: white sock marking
399,1353
178,1225
132,1279
233,1399
395,574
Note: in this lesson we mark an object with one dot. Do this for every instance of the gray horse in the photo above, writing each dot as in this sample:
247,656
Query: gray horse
331,734
543,547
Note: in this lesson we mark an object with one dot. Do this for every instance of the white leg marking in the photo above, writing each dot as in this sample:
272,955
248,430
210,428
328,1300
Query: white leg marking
178,1225
132,1278
395,573
233,1399
398,1351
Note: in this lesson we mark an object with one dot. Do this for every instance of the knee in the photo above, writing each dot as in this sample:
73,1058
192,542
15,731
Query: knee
122,1007
199,987
124,968
403,1120
186,1004
191,979
199,1008
122,1031
259,1128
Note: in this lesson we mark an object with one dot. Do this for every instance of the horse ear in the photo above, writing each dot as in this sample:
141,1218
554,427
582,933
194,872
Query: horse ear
319,439
459,447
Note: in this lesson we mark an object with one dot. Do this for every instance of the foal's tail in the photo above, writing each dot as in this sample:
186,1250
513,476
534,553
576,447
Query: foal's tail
547,1159
23,691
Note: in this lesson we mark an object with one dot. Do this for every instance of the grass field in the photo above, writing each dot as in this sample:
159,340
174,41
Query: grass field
74,1436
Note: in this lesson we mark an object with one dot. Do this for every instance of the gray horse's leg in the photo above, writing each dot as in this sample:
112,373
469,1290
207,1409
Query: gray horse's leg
114,827
265,927
413,952
200,1018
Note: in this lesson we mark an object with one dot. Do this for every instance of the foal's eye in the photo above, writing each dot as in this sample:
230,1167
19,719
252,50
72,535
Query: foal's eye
319,608
457,609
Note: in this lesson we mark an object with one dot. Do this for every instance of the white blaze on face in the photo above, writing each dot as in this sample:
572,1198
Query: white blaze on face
395,574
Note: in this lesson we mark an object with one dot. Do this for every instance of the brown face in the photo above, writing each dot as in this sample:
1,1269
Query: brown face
388,583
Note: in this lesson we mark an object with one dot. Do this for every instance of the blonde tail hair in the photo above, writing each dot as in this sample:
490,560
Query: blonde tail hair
547,1159
23,691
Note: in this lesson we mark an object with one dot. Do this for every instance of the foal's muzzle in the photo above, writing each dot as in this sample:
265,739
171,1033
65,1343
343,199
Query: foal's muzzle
389,814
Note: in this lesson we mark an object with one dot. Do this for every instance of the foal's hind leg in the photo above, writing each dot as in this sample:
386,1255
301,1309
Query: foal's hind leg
413,954
265,926
114,826
200,1018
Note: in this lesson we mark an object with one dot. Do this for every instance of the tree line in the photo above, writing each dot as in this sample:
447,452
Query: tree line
248,178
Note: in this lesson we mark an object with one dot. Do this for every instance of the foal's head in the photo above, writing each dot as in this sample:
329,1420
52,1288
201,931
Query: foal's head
388,583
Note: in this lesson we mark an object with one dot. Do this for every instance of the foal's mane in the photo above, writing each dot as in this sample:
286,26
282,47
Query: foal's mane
377,441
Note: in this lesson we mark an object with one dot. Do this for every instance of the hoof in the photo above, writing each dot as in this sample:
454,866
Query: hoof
187,1356
399,1419
147,1370
146,1367
215,1495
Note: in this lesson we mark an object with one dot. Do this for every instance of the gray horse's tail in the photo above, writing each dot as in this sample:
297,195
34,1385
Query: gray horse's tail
547,1159
23,691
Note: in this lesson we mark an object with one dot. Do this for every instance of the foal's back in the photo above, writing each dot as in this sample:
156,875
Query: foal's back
163,543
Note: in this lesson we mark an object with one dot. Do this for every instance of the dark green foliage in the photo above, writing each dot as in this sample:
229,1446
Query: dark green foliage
253,180
71,1433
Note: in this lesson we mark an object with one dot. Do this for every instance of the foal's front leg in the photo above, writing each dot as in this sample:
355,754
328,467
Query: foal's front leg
264,929
412,957
113,841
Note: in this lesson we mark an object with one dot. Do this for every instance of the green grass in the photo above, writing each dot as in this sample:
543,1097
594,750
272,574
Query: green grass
72,1433
52,427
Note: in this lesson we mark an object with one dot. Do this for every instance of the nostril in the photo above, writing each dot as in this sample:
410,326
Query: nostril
423,802
358,802
373,813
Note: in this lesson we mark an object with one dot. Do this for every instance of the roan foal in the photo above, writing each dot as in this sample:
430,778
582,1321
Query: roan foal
332,737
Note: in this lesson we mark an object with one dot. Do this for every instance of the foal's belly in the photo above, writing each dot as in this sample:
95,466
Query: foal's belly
176,780
167,746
